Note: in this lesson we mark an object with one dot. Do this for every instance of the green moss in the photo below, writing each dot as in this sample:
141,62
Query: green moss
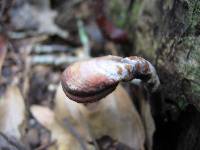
189,61
188,65
193,16
145,43
118,11
182,102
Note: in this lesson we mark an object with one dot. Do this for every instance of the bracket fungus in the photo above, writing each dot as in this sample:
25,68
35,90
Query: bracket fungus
109,110
91,80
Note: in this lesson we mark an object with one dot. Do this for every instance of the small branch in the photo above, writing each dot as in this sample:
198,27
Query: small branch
53,60
50,48
75,133
46,146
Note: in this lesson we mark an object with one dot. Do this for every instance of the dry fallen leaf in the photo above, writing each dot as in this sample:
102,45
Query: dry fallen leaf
12,113
148,122
64,139
11,143
115,116
29,17
3,51
145,113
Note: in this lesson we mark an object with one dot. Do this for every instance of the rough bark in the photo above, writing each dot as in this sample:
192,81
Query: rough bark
168,33
189,130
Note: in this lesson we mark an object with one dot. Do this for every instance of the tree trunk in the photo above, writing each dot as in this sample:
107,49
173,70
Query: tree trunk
168,33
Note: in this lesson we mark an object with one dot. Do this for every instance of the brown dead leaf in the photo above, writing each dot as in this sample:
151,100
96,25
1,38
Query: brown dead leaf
29,17
114,116
148,122
12,113
145,113
3,51
64,139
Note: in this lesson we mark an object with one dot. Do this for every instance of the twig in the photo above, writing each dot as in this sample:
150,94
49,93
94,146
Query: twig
45,146
53,60
50,48
21,35
12,141
87,125
75,133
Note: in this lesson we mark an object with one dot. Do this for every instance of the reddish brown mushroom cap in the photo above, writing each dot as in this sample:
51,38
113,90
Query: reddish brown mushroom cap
86,81
91,80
